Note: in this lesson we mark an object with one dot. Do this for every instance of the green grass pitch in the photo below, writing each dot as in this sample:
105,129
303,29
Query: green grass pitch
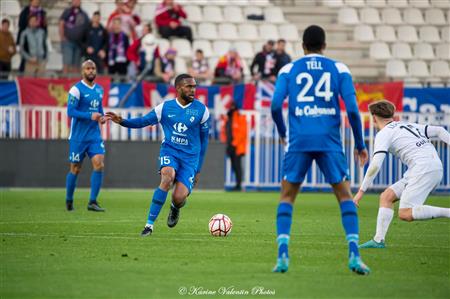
47,252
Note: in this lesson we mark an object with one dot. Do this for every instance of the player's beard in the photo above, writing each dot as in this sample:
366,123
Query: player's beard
90,77
187,98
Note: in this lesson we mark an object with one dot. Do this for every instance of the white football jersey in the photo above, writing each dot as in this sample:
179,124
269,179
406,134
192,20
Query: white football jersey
410,143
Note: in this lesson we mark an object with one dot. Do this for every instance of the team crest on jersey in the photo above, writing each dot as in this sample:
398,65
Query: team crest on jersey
180,127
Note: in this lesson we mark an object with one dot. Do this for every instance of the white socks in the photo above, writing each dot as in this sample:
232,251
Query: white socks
384,218
429,212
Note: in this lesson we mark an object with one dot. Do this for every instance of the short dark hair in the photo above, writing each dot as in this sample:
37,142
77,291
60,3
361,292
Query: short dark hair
96,13
181,77
383,109
199,51
281,40
314,38
6,21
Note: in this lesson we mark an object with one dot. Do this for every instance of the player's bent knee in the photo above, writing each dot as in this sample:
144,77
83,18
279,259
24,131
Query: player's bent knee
75,168
405,214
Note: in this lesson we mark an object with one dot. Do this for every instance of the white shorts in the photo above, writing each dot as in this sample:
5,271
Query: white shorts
414,189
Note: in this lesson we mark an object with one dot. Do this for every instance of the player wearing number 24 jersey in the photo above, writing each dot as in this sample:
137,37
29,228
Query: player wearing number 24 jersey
313,85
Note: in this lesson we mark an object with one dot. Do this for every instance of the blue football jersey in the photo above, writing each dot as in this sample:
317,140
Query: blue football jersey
83,101
313,84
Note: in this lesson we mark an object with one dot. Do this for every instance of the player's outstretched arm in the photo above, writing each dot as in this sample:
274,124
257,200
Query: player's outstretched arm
439,132
138,122
372,171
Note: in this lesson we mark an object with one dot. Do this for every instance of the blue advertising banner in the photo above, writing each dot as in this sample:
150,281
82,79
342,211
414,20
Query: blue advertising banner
8,93
426,100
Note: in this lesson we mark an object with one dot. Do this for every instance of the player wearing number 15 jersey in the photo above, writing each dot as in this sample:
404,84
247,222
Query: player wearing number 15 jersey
313,85
410,142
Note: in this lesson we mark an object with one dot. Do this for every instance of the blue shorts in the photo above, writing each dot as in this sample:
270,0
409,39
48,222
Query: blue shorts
77,150
185,167
332,164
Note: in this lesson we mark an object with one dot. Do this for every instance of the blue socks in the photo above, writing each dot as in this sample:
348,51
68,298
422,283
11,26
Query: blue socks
159,198
284,221
96,183
71,183
350,223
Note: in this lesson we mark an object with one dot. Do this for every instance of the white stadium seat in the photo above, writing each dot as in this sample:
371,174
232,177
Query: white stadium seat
289,32
380,51
440,3
348,15
233,14
183,47
180,65
194,13
228,31
395,69
268,31
355,3
220,47
446,33
163,45
391,16
386,33
423,51
207,31
333,3
106,9
257,46
364,33
90,8
418,68
252,10
213,62
413,16
10,8
429,34
212,14
148,11
440,68
407,34
419,3
244,48
401,51
290,49
54,62
376,3
274,15
443,51
397,3
203,45
370,15
435,16
248,32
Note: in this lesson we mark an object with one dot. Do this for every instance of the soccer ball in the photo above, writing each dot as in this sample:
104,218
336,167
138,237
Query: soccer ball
220,225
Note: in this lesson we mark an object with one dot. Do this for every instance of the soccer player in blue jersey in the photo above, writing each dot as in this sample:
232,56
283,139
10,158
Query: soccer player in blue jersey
313,84
84,106
185,124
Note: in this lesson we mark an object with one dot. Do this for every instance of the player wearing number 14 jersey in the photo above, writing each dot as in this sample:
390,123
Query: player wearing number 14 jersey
313,85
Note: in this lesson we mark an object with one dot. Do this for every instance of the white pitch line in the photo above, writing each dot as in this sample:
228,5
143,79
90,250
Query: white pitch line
66,221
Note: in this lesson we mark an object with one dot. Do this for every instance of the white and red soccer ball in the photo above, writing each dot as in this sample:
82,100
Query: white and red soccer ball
220,225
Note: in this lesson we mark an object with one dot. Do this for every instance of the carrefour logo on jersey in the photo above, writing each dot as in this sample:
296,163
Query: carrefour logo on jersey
95,104
314,111
180,127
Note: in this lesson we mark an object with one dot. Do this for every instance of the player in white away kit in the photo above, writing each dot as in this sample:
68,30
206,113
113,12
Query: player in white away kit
410,142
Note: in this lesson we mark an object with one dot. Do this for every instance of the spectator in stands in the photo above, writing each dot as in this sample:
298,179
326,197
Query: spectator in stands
96,43
165,66
144,51
168,18
73,25
281,57
117,49
124,11
263,65
234,135
229,68
33,47
7,49
200,68
34,8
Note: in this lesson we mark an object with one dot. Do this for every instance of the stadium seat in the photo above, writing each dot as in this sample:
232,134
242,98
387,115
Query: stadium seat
54,62
212,14
252,10
257,46
248,32
443,51
163,45
370,15
407,34
401,51
244,49
419,3
228,31
376,3
446,33
207,31
233,14
180,65
429,34
364,33
274,15
290,49
333,3
106,9
220,47
413,16
90,8
440,3
386,33
289,32
194,13
395,69
348,15
418,68
380,51
213,62
435,16
268,31
423,51
53,33
148,11
203,45
355,3
391,16
261,3
10,8
397,3
183,47
440,68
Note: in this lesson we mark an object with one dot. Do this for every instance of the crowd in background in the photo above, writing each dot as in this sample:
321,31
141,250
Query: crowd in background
126,46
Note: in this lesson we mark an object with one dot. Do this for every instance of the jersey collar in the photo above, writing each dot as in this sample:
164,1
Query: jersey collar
179,104
314,55
84,83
